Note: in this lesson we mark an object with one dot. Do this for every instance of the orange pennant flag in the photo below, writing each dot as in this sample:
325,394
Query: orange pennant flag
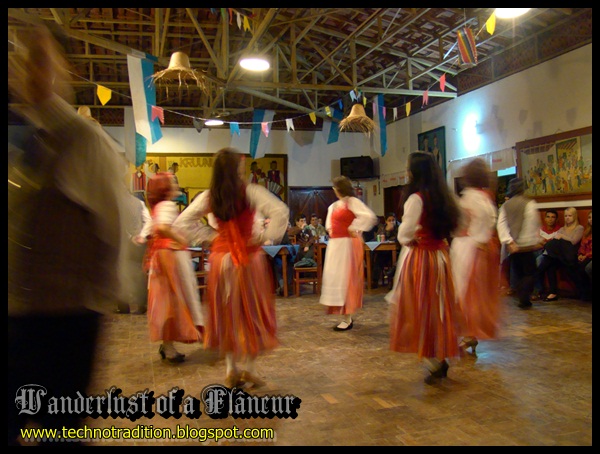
104,94
490,24
443,82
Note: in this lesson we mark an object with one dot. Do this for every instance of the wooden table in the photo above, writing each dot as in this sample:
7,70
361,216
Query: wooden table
283,250
375,246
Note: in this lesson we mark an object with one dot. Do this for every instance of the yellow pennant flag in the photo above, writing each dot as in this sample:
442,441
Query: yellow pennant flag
104,94
490,25
246,23
328,111
407,109
313,117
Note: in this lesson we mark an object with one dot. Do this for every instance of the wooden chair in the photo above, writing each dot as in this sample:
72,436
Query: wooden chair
308,275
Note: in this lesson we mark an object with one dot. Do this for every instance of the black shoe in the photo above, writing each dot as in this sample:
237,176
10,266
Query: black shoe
337,328
436,375
525,305
178,358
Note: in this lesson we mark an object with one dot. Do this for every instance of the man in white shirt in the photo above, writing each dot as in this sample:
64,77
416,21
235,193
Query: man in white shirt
519,229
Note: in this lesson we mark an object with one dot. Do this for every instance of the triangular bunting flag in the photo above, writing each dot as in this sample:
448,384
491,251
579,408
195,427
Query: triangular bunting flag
407,109
313,118
443,82
352,96
395,110
334,128
328,111
259,117
158,112
239,20
246,23
264,126
104,94
234,128
198,124
490,24
426,97
289,124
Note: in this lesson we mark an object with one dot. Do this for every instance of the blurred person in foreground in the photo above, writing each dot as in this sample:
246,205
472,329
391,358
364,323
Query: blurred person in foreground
475,257
241,321
424,317
68,211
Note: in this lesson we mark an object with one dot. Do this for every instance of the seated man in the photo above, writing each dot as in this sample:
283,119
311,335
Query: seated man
382,259
305,240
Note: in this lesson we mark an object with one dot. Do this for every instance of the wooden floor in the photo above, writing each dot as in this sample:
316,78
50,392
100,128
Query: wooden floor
532,387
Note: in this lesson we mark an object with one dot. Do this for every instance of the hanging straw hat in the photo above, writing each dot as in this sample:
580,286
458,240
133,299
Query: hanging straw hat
179,69
357,121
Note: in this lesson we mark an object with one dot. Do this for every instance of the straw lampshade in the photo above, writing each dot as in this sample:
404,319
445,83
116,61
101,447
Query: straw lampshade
179,69
357,121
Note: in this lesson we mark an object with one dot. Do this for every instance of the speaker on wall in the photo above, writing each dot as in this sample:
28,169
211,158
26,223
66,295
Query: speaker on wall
357,168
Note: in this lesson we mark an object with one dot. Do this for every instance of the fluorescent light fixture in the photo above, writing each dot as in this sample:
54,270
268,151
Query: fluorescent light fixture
255,63
213,122
510,13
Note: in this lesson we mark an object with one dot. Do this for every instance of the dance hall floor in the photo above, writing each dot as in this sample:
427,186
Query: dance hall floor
532,387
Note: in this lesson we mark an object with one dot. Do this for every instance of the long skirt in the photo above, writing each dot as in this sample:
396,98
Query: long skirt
174,308
241,315
424,315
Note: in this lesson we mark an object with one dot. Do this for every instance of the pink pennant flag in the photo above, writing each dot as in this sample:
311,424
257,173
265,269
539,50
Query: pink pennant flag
158,112
443,82
265,128
426,97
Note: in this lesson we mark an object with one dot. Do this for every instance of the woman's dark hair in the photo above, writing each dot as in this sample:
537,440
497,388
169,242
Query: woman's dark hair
227,189
477,174
159,189
343,186
439,205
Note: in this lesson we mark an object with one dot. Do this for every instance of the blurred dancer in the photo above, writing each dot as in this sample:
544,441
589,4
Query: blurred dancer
343,269
174,309
475,257
68,217
424,309
241,321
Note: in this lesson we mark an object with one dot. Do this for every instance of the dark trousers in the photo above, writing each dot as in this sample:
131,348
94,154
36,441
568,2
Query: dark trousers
523,265
56,352
548,267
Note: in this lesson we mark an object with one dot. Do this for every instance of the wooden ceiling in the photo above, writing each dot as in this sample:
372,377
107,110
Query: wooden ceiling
318,55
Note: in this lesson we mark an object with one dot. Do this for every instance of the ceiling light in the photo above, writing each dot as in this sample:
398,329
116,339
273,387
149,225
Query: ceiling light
213,122
510,13
255,63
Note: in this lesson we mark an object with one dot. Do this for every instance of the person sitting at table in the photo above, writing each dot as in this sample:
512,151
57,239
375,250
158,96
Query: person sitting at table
383,259
305,239
278,262
318,229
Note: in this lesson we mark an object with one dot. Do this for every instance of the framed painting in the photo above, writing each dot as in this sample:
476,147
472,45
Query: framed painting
434,141
557,167
269,171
